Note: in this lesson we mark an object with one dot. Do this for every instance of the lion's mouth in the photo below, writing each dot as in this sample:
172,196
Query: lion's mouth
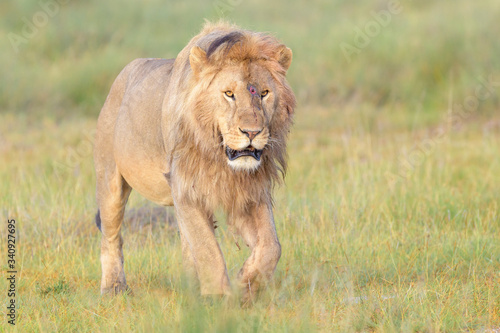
249,151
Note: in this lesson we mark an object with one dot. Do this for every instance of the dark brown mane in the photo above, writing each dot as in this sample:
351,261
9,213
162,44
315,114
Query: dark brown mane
230,39
240,45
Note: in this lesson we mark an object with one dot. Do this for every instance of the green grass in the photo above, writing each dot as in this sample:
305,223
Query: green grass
361,251
389,217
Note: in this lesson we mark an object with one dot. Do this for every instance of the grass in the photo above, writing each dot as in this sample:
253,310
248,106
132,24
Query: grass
389,217
359,252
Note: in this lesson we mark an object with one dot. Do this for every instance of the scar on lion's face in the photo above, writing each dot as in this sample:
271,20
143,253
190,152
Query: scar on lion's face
252,89
255,100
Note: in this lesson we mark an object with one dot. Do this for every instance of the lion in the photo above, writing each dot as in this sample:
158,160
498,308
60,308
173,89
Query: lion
204,131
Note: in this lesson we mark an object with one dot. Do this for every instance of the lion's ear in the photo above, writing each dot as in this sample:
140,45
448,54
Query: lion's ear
284,57
197,60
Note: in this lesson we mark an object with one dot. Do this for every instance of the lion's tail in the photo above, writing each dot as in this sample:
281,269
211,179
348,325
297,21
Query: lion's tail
98,219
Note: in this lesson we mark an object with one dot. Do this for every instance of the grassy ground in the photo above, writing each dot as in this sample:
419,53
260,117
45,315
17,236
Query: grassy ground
389,217
363,247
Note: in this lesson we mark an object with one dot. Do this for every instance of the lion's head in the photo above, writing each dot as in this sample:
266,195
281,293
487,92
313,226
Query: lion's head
246,73
234,104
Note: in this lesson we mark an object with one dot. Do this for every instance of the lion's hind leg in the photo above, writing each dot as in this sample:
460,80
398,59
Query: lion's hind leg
112,195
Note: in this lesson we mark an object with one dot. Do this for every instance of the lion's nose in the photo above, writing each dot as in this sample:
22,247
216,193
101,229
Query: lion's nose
250,134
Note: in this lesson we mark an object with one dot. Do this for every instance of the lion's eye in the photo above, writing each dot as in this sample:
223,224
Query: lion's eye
264,93
229,93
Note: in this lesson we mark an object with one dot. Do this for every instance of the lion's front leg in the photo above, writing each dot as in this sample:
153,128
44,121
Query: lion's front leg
201,250
258,230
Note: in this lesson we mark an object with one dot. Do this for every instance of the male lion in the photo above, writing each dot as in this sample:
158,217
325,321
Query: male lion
205,130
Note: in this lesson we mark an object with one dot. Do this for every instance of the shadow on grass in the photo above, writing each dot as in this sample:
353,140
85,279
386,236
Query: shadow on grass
150,216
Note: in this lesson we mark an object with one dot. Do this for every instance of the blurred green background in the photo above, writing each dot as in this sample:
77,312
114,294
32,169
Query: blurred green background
410,66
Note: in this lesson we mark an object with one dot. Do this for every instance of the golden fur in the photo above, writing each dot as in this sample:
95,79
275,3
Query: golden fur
164,131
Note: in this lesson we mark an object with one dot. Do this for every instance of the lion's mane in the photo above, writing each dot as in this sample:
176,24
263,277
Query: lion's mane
195,153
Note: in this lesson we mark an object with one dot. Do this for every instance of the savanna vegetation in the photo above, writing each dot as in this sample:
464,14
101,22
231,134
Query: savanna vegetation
389,219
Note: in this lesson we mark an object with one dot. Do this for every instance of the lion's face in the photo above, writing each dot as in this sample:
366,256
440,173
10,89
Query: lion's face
246,97
241,98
